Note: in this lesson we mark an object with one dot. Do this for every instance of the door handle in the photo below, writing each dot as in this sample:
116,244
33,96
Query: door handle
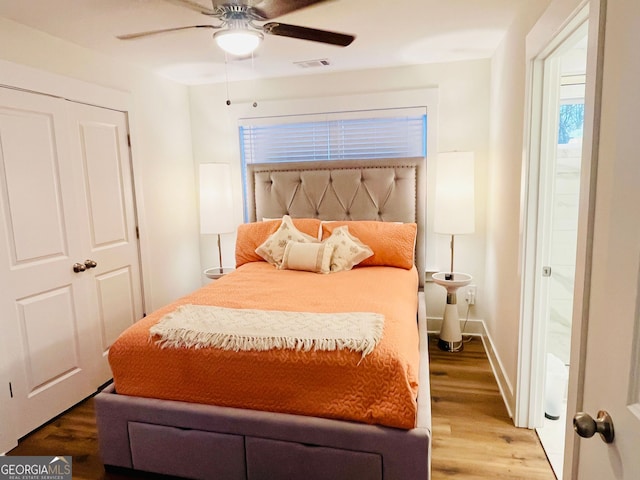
79,267
90,263
586,427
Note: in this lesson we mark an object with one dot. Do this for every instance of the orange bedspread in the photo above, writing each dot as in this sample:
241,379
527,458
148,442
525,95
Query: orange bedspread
381,389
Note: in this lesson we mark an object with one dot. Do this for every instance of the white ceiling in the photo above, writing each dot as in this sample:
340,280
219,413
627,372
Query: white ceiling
388,33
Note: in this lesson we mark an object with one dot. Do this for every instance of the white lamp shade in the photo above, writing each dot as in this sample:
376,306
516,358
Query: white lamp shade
216,202
454,195
238,42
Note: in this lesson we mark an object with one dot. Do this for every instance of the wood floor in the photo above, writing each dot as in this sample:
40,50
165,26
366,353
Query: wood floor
473,437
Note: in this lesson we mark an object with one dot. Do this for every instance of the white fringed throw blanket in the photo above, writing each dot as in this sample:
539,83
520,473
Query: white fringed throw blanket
201,326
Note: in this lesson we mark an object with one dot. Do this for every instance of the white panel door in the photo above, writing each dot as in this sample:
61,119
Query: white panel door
101,155
612,362
44,318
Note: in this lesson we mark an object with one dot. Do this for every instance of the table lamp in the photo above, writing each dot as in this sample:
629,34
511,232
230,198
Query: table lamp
216,202
454,215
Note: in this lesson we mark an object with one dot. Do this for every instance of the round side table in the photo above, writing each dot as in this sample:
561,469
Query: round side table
217,272
450,335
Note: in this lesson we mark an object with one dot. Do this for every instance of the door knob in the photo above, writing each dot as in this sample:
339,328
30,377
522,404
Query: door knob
90,264
586,427
79,267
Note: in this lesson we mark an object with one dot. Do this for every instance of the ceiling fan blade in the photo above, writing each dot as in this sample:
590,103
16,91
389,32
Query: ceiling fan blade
305,33
164,30
269,9
195,6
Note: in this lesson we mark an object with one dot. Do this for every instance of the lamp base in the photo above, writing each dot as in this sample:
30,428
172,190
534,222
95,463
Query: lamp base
450,346
450,335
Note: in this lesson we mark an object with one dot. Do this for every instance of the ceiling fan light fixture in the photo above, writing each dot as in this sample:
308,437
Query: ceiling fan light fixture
238,42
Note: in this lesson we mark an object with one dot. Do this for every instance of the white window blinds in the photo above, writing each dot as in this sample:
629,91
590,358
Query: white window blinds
394,133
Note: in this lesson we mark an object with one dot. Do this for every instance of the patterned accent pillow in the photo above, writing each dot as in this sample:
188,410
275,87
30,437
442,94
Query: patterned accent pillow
348,250
272,250
309,257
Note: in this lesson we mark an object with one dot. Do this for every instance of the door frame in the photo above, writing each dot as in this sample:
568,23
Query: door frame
25,78
543,103
547,34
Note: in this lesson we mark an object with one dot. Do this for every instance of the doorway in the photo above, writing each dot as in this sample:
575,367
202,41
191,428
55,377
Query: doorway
554,183
557,233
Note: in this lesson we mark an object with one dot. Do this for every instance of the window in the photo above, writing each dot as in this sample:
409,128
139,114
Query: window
386,134
571,122
571,114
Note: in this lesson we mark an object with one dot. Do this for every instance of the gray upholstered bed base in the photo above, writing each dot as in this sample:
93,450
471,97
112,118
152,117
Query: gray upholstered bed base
209,442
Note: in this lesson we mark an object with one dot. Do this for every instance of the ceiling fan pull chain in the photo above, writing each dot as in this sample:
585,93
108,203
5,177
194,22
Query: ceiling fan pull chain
253,71
226,74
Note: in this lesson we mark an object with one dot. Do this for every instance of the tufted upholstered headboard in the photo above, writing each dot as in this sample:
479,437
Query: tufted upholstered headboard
391,190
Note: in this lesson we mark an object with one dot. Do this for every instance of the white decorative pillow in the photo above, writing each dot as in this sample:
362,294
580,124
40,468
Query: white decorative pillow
348,250
272,250
310,257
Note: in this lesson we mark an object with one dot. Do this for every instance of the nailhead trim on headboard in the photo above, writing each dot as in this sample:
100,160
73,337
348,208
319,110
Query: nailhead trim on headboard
387,190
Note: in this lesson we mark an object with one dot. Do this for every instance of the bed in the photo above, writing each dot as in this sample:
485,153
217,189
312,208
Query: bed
158,422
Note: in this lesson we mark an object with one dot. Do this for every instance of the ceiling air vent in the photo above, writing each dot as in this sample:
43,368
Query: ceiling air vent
323,62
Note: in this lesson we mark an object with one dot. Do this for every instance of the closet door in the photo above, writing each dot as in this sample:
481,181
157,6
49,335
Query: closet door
101,157
44,317
69,261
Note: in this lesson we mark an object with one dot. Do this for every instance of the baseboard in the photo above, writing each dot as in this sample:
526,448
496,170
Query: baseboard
477,328
505,387
473,327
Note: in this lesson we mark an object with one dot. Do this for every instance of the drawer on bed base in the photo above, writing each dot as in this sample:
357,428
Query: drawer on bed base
186,453
277,460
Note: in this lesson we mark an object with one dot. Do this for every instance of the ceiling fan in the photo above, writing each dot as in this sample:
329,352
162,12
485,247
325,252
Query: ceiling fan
239,35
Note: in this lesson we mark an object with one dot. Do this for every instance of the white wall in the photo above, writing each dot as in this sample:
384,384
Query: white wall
462,124
504,177
161,144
